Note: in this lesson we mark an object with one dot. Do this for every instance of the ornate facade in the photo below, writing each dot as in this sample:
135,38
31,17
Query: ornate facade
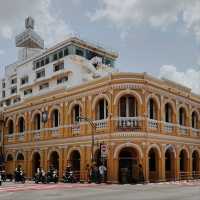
143,120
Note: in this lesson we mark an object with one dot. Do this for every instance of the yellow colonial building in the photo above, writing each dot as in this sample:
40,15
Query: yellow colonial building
139,119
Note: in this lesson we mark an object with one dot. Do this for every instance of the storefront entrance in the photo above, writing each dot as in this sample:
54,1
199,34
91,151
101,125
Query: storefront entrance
128,166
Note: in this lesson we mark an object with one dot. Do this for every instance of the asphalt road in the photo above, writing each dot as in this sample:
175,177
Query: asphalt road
165,191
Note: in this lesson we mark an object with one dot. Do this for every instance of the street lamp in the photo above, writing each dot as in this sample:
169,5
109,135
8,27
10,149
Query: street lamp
93,125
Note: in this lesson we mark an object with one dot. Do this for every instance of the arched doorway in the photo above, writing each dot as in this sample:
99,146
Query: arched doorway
54,160
195,164
153,165
55,118
35,162
75,163
102,109
152,109
9,164
128,165
21,125
10,127
169,165
37,122
183,163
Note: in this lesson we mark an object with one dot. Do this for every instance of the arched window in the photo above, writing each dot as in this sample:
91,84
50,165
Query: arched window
128,106
102,109
152,109
168,113
55,118
37,122
10,127
194,120
182,116
21,125
76,113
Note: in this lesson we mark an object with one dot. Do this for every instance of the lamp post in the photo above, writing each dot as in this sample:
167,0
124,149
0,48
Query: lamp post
93,125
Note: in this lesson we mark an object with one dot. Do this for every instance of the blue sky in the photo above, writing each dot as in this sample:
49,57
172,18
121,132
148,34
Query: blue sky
161,37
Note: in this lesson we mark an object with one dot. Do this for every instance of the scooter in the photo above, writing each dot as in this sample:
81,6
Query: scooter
19,176
69,177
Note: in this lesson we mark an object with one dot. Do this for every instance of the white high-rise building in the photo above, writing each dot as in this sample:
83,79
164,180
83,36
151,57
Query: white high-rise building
39,70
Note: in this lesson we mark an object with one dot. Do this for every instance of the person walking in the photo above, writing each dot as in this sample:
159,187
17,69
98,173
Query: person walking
102,173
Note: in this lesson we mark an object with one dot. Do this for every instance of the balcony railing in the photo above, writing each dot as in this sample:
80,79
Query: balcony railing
168,127
21,136
195,132
55,131
184,130
152,124
75,128
101,124
37,134
10,137
121,124
129,123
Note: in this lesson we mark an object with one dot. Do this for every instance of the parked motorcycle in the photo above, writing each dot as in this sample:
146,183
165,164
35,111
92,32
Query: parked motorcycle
52,176
20,176
40,177
69,177
3,175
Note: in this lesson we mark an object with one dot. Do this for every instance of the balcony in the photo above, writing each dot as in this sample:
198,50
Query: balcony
101,124
183,130
129,123
55,131
153,124
20,136
10,137
75,129
37,135
168,127
195,132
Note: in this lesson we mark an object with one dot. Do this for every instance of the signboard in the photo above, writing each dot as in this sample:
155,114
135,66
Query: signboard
104,150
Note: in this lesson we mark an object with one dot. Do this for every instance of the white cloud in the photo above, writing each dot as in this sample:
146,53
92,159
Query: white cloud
157,13
50,25
189,78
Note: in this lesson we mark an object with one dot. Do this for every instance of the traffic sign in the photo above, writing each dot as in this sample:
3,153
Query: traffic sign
104,150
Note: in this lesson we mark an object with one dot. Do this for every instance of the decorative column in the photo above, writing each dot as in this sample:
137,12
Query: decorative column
145,161
112,165
61,161
162,163
177,163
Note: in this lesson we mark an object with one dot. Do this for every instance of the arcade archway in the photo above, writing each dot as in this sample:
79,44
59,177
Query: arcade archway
169,165
36,161
128,171
54,160
153,164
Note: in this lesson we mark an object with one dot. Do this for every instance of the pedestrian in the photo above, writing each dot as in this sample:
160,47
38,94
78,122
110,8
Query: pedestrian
102,172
